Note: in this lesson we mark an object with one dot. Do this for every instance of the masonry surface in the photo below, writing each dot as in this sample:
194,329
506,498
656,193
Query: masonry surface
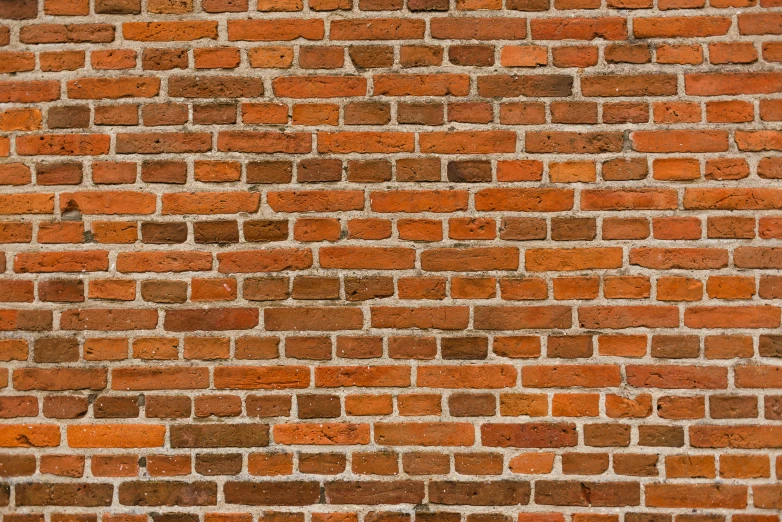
390,261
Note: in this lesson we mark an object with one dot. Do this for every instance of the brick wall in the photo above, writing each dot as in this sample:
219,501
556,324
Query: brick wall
386,261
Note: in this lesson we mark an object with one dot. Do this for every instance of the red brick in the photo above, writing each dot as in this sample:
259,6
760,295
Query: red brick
696,496
424,434
732,317
541,260
253,228
365,142
466,142
529,435
377,29
113,88
63,144
680,26
524,200
29,435
609,28
617,317
715,84
179,31
140,378
677,377
731,199
95,260
418,201
367,258
316,201
363,376
474,259
278,30
272,260
517,317
116,436
629,85
570,375
479,377
67,33
421,84
479,28
322,434
319,87
573,142
313,319
680,141
450,318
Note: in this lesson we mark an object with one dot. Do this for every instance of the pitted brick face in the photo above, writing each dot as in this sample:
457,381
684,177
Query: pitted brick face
390,261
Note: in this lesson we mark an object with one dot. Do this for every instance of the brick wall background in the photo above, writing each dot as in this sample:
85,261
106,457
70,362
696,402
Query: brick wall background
386,261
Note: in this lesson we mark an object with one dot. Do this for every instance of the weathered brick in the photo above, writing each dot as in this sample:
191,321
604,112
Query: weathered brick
234,232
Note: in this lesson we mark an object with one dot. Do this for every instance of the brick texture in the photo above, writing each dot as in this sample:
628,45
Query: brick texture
390,261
